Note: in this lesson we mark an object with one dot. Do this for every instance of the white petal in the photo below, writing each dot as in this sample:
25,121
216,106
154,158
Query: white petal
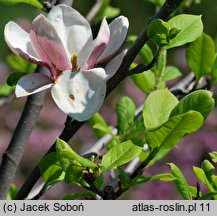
74,31
47,43
19,41
80,94
113,65
32,83
100,44
118,32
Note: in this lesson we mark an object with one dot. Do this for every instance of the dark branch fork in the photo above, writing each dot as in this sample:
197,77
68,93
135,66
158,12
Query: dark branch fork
71,127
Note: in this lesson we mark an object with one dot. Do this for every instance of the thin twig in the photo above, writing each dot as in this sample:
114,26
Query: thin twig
164,13
14,152
93,11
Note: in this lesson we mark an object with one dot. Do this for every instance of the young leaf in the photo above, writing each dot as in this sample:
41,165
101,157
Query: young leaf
126,112
201,55
106,11
99,182
86,194
34,3
14,77
158,107
5,90
119,155
170,73
213,155
66,156
157,2
20,64
12,192
143,179
209,169
50,170
180,182
74,174
124,179
158,31
202,177
200,101
145,53
144,81
98,119
191,28
171,132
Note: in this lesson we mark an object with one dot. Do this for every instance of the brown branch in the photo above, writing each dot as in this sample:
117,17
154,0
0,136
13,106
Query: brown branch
14,152
94,10
68,132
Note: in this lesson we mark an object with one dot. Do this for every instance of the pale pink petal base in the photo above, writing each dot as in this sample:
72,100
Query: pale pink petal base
80,94
48,45
19,42
32,83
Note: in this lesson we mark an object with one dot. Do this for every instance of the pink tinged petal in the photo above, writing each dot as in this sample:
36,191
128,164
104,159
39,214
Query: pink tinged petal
80,94
48,45
100,43
19,42
32,83
118,32
113,65
74,31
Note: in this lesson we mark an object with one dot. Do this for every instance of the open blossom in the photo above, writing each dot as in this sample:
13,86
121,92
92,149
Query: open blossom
63,43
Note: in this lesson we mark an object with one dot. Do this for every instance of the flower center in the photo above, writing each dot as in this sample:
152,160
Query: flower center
74,62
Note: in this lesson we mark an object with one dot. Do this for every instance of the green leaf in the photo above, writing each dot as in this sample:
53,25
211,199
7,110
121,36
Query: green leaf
191,28
5,90
66,156
74,174
145,53
144,81
158,107
214,72
34,3
213,155
171,132
157,2
201,55
208,196
86,194
126,112
119,155
14,77
158,31
20,64
99,182
180,182
143,179
12,192
202,177
200,101
106,11
50,170
161,62
209,169
170,73
111,12
124,178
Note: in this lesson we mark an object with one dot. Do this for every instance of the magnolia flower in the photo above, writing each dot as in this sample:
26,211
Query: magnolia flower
63,43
